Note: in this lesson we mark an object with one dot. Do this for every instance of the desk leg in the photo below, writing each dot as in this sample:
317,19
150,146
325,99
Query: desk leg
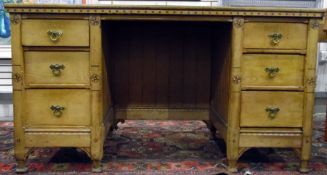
96,166
234,106
309,91
304,166
232,166
21,166
326,124
20,150
232,142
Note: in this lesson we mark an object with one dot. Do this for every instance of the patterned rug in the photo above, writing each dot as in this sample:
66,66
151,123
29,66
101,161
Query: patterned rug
163,147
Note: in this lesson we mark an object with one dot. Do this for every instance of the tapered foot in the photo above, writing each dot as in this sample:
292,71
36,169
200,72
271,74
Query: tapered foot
232,166
304,167
21,167
96,166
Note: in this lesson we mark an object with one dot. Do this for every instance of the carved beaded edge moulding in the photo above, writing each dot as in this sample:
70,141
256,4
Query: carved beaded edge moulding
166,10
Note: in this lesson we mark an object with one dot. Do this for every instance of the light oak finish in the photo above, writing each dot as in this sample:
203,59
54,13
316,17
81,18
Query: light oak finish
293,35
267,140
161,114
39,101
75,72
255,71
234,95
247,72
254,104
74,32
310,80
55,139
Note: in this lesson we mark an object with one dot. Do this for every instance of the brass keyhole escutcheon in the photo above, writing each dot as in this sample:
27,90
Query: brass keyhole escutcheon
57,110
272,112
275,38
54,35
56,69
272,71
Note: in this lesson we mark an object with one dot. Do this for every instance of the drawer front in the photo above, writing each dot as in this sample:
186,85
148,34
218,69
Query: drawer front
271,109
56,68
275,36
42,107
272,70
55,33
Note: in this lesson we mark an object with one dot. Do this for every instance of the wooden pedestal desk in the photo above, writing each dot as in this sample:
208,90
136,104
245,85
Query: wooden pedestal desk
247,72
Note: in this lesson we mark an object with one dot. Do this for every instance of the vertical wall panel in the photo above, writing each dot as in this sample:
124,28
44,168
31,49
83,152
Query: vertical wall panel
135,54
176,71
162,68
190,69
149,69
163,65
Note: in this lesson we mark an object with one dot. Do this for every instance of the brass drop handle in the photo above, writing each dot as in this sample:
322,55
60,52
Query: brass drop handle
272,71
54,35
56,69
275,38
272,112
57,110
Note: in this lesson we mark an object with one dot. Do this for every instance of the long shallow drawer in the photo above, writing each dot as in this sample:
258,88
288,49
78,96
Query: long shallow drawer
57,139
275,35
271,109
55,33
57,107
272,70
56,68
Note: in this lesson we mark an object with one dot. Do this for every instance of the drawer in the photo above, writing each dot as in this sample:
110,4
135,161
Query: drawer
275,35
271,109
55,33
272,70
56,68
43,107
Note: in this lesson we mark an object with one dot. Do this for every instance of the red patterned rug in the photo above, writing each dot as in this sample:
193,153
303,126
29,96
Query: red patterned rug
169,147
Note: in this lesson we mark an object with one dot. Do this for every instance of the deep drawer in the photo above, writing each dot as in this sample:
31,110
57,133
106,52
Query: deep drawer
46,107
271,109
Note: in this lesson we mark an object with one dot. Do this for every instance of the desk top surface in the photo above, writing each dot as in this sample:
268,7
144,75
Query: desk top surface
165,10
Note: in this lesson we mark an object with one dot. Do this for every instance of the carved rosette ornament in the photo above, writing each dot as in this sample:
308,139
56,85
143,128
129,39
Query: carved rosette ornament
95,78
17,77
315,24
311,81
236,79
15,19
94,20
238,22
